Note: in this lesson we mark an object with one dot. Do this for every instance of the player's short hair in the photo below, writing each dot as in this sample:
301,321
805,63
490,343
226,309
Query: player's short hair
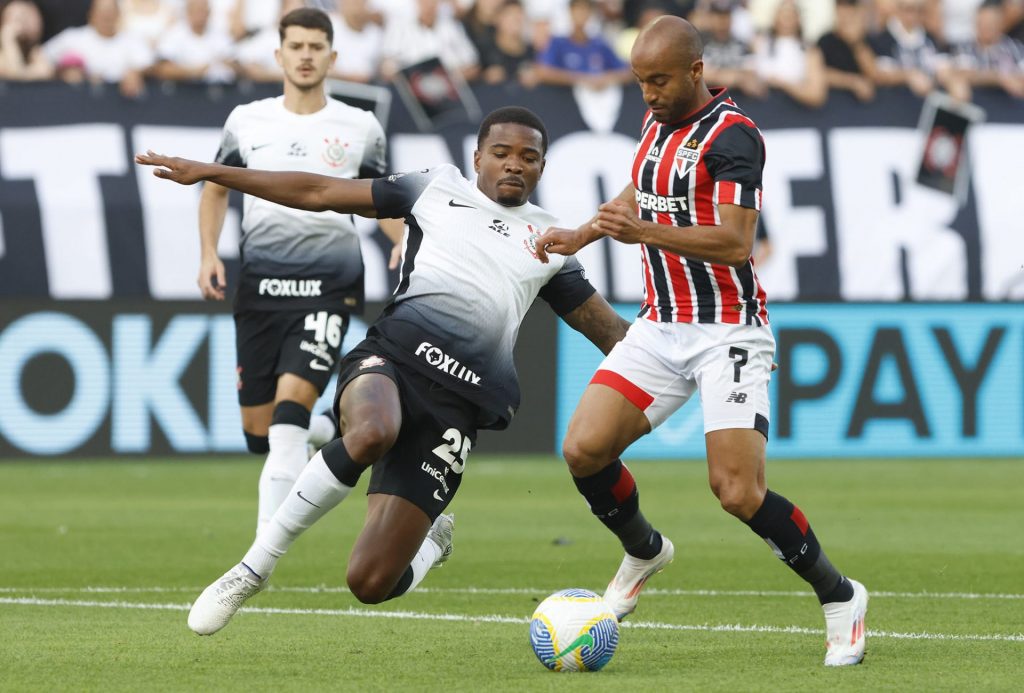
307,18
513,114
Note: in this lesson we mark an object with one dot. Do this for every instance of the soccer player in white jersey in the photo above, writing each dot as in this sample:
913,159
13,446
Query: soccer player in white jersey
302,272
693,206
435,367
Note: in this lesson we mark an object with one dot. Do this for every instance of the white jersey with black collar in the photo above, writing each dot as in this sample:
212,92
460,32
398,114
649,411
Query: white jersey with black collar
469,275
313,256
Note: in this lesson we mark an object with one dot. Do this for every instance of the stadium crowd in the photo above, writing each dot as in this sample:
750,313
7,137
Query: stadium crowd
799,47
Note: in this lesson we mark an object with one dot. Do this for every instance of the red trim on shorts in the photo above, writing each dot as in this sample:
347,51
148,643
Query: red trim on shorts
640,399
799,520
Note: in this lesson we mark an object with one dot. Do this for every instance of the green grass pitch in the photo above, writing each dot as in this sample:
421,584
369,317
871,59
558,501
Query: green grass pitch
99,561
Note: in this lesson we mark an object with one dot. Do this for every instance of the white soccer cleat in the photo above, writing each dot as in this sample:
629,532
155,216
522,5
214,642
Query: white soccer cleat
624,590
441,534
844,623
219,602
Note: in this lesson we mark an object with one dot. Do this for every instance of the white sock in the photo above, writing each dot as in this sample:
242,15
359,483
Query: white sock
423,561
284,463
321,430
315,492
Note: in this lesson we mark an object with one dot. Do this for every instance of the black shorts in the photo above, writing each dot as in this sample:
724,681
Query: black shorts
306,343
426,463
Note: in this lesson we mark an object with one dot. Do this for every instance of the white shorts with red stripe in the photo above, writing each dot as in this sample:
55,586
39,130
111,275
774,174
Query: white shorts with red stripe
658,366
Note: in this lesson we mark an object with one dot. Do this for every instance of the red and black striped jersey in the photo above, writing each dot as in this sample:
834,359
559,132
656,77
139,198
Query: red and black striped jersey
682,172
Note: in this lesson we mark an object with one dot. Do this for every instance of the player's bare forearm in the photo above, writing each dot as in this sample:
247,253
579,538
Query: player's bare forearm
213,207
720,245
729,243
598,322
307,191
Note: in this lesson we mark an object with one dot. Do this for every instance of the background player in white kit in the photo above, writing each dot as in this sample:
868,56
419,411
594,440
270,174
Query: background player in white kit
435,367
302,272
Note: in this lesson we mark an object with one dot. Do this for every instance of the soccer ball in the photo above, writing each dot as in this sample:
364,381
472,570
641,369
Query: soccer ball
574,630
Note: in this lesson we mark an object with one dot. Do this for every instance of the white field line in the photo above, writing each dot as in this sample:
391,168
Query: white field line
423,616
540,591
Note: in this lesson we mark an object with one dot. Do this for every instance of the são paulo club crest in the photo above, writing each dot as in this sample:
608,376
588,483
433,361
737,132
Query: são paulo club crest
335,153
686,157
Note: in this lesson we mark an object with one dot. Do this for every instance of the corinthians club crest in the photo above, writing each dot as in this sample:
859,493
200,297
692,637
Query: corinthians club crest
334,154
686,158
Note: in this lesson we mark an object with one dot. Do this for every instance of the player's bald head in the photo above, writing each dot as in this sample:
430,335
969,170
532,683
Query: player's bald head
666,61
669,37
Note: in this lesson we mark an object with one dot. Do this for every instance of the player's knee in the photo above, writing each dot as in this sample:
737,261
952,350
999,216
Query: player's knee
738,499
583,457
258,445
367,441
368,586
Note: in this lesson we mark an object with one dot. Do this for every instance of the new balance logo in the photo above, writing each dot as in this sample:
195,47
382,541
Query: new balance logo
737,397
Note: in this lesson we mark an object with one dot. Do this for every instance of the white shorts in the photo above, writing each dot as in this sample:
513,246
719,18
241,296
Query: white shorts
658,366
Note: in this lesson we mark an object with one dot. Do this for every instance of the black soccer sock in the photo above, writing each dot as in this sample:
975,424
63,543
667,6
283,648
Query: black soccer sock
403,584
258,445
341,464
785,529
612,496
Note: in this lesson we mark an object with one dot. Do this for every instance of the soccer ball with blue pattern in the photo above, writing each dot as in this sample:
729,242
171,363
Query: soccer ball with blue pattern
574,630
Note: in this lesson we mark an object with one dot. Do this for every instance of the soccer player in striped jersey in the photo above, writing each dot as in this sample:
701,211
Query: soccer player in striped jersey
436,365
692,206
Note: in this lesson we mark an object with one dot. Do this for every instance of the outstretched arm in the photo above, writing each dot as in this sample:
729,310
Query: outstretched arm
598,322
307,191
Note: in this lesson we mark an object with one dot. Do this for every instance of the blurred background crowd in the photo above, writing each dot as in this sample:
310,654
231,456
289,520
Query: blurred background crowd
799,47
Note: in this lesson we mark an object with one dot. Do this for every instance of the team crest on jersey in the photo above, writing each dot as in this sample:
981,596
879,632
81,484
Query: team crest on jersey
686,157
334,155
531,241
370,362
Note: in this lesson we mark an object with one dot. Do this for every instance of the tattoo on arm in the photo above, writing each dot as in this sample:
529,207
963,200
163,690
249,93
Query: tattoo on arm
598,322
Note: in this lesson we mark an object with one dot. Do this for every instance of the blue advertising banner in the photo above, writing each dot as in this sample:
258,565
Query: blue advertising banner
100,378
862,381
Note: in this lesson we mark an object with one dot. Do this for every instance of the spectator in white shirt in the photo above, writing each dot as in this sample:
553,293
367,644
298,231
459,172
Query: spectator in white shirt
432,34
21,56
192,50
99,53
785,62
358,41
256,56
951,22
253,17
147,19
